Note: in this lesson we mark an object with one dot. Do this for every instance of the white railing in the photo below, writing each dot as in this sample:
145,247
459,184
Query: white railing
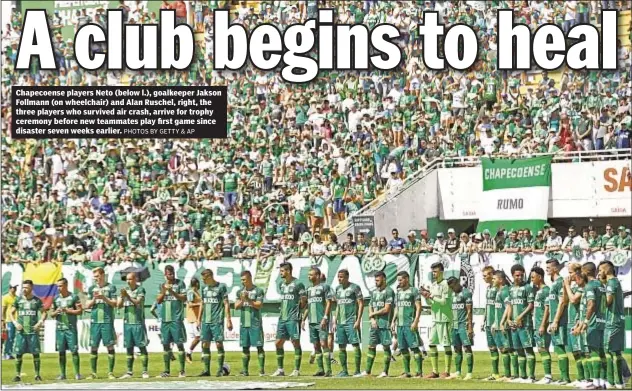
558,157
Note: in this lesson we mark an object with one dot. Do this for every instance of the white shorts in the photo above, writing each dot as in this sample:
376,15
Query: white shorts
192,330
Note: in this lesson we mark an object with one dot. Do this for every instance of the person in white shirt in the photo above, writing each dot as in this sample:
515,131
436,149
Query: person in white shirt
574,240
318,247
554,241
438,247
393,183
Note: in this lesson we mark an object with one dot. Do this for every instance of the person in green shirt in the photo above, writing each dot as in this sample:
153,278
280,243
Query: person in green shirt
622,241
614,332
405,323
520,307
293,300
172,296
556,307
349,309
591,324
66,308
28,316
132,300
249,301
439,297
380,312
502,336
541,338
574,293
462,327
319,299
101,302
215,309
490,297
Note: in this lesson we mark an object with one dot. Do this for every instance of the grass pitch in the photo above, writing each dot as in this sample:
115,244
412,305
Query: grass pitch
482,369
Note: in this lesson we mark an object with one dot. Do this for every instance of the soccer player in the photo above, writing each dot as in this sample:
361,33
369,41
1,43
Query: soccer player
349,308
28,317
172,296
502,336
101,302
194,305
319,298
577,332
380,310
490,298
462,328
330,334
132,300
541,338
614,332
250,300
439,297
556,304
574,294
592,324
406,322
215,308
293,300
520,307
66,308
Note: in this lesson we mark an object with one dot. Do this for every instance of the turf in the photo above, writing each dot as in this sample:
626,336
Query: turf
482,369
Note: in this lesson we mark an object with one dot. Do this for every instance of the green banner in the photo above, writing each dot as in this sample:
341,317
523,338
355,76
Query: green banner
516,173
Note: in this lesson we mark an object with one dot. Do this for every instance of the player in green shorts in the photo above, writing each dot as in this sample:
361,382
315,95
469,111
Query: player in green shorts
293,300
249,301
614,332
349,308
380,310
319,298
28,316
132,300
405,323
66,308
490,298
172,296
215,309
556,304
502,336
520,308
462,328
541,338
101,302
580,280
574,342
592,325
439,297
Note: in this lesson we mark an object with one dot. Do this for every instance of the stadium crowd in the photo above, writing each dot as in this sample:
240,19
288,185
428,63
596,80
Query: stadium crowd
299,158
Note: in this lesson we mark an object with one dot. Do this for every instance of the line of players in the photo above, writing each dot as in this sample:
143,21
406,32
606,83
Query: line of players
581,315
595,337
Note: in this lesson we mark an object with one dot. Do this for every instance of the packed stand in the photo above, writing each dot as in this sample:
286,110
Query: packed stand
299,158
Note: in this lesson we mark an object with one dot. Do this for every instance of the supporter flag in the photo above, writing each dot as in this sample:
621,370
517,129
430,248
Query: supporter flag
515,194
79,283
44,277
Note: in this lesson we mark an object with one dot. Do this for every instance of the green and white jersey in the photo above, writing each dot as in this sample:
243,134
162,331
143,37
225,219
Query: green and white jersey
346,303
441,302
317,297
28,312
520,297
66,321
379,300
291,295
405,305
133,314
539,302
614,313
501,301
595,291
250,316
556,294
213,297
172,308
459,308
490,299
573,309
101,312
